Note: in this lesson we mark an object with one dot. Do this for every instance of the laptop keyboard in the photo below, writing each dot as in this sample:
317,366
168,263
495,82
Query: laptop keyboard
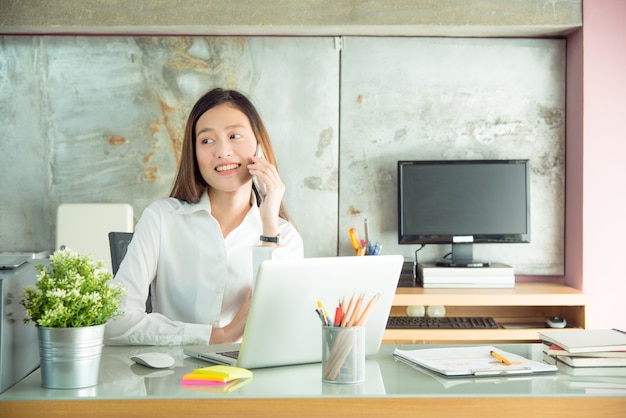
446,322
231,354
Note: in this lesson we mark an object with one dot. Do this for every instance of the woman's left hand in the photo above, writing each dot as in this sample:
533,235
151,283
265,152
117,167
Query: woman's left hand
275,190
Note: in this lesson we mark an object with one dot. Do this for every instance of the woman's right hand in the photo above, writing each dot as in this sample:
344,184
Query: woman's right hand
233,332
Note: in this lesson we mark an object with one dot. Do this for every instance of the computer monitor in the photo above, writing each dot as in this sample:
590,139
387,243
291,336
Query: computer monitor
462,202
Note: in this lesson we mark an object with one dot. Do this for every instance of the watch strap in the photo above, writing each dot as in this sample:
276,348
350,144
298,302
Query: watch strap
274,240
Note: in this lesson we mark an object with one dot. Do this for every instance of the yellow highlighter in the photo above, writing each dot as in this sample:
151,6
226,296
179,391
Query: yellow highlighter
355,240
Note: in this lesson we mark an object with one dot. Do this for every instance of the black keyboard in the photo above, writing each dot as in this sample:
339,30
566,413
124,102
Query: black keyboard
446,322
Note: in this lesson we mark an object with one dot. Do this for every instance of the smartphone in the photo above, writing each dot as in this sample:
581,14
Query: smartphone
260,187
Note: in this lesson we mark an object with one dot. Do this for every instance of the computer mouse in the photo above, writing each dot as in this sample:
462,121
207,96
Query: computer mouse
556,322
154,360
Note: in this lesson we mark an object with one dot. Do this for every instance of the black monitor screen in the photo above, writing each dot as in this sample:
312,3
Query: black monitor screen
463,201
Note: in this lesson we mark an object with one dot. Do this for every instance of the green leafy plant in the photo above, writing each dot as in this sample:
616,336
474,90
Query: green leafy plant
73,291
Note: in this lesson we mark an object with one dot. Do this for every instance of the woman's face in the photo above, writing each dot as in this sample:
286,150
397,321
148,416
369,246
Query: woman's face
224,145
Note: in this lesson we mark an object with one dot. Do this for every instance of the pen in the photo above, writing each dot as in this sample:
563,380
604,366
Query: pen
321,315
501,358
327,318
355,240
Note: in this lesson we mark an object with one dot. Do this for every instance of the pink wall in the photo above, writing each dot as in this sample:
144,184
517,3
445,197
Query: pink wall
603,167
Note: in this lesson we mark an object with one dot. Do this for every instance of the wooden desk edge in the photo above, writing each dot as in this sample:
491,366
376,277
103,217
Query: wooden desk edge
479,407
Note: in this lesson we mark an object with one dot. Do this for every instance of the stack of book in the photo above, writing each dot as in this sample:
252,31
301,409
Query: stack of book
496,275
586,348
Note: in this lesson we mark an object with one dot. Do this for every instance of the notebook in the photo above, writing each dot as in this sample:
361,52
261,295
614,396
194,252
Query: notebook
583,340
283,327
12,261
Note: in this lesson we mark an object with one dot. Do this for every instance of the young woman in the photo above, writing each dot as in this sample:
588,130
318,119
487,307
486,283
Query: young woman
196,250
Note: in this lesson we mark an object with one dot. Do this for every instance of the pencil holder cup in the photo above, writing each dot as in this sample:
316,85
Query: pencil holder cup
343,354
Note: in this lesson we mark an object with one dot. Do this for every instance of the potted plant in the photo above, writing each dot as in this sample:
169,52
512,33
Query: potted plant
70,303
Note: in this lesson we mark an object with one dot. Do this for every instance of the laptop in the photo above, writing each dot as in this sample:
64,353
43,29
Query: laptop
8,262
283,327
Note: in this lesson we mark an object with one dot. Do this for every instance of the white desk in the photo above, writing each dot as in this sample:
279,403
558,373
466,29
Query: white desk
391,389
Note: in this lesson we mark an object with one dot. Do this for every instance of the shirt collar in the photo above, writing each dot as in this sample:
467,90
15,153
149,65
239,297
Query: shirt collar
205,204
187,208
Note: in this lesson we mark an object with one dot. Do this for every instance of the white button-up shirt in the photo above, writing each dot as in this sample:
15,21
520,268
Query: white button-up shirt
198,278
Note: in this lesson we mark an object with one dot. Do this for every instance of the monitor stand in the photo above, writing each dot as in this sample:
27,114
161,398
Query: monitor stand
462,256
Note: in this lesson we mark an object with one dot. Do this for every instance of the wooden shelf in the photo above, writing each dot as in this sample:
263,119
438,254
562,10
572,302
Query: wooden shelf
520,312
536,294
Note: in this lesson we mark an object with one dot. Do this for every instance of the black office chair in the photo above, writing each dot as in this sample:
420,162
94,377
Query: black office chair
118,243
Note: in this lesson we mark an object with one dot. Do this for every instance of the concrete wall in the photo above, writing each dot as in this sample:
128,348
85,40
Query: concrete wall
109,114
98,118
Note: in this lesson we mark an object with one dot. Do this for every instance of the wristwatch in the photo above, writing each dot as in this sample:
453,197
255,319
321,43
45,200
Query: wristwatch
274,240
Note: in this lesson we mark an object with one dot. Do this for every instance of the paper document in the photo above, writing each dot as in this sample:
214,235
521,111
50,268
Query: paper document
472,361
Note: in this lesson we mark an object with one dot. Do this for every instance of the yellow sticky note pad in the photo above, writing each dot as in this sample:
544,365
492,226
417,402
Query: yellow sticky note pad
219,373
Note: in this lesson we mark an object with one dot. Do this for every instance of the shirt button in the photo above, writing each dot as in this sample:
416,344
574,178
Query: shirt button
218,291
